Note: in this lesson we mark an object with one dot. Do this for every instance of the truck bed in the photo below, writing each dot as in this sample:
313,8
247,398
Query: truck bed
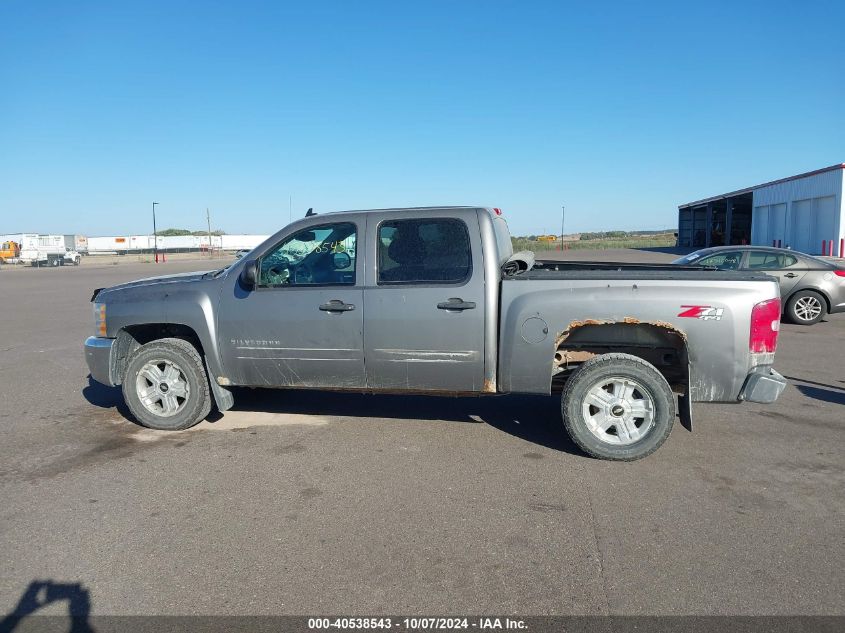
551,270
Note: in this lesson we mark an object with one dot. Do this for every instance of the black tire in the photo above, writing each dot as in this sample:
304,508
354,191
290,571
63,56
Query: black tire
655,397
802,303
180,354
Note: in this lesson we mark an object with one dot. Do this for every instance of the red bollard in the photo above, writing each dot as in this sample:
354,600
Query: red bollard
164,258
779,244
774,243
824,248
156,258
842,247
830,248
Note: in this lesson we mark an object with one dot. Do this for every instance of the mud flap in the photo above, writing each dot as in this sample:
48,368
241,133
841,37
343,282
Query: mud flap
685,404
223,397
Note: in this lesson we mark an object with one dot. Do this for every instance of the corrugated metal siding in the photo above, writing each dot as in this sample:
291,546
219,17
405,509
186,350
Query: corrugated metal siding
800,213
826,184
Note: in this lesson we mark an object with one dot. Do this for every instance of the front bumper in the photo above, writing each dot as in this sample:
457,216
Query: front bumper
98,356
762,385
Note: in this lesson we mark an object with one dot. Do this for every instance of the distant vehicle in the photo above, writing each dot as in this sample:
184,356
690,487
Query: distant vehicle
48,257
240,253
547,238
9,250
435,301
809,287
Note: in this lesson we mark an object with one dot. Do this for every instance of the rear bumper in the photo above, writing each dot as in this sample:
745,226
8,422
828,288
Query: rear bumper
762,385
98,357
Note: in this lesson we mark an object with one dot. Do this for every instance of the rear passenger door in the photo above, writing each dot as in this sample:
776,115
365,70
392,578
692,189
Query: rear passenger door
424,302
787,268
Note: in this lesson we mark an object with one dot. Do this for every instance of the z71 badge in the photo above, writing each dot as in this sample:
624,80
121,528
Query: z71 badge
706,313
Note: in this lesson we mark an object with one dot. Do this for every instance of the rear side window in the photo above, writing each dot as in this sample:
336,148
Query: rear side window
423,251
770,261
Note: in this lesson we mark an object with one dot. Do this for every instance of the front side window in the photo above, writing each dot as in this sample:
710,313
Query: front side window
728,260
318,256
763,260
423,251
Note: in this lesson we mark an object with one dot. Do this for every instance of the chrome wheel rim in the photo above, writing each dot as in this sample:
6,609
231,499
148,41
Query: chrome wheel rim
808,308
162,388
619,410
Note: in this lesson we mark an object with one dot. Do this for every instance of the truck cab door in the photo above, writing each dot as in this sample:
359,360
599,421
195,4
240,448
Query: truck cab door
424,302
301,325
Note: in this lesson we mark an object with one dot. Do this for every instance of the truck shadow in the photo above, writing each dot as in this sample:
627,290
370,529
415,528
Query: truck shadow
535,419
104,397
825,395
820,390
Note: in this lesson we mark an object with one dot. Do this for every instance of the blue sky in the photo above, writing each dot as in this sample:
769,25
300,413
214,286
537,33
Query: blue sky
620,111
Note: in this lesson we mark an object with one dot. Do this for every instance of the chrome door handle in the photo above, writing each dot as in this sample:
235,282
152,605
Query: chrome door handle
336,305
790,275
456,303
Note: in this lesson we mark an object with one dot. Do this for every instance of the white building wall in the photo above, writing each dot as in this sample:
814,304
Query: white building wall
800,213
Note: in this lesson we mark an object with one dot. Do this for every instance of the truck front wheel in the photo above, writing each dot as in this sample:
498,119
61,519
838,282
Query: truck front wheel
166,387
618,407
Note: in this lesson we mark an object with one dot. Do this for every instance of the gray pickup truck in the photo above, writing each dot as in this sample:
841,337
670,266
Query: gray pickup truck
433,300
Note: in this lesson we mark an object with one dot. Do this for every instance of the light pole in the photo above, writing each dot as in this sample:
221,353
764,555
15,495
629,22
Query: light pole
562,218
155,237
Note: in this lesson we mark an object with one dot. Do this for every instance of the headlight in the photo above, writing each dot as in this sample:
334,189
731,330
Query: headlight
100,319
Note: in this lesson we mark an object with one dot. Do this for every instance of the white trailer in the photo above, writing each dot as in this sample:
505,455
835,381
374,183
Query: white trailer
78,243
241,242
108,245
46,250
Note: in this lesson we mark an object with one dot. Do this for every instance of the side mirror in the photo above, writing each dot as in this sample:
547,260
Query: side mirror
249,275
341,261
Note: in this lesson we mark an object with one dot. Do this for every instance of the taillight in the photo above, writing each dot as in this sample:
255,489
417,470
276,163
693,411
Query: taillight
765,325
839,273
497,211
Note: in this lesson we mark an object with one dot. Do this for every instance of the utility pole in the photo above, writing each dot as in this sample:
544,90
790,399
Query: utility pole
562,218
208,219
155,237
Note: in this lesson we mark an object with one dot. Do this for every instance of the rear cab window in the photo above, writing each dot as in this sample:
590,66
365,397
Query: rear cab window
424,250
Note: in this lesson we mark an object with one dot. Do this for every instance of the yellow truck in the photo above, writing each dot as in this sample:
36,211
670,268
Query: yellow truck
9,250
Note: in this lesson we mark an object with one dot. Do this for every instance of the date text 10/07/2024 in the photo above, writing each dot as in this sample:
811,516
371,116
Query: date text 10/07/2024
421,623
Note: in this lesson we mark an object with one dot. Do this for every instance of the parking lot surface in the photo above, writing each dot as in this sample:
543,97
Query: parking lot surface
299,502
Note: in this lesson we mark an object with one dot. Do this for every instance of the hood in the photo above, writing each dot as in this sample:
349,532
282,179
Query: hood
164,279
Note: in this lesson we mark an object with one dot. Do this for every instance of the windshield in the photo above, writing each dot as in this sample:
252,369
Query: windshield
690,259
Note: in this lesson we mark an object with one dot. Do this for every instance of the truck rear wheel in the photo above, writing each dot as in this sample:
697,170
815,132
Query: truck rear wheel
166,387
618,407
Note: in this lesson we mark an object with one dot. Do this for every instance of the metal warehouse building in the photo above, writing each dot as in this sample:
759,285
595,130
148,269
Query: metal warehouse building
800,212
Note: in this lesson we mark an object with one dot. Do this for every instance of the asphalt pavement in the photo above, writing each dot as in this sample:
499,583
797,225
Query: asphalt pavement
312,503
